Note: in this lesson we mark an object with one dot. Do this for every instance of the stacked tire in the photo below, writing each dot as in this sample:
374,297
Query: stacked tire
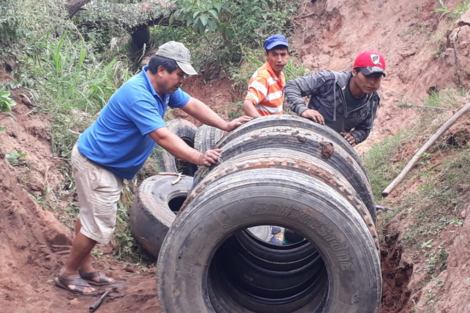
160,197
165,161
207,137
285,171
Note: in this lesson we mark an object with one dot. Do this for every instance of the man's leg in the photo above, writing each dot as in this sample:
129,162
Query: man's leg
86,265
81,250
98,192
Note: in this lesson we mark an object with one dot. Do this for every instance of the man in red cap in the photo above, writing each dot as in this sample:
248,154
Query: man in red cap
346,101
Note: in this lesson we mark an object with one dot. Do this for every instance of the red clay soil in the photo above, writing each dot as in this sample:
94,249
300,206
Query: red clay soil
395,277
33,243
407,286
218,94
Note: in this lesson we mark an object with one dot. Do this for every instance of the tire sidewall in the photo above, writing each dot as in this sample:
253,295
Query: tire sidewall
150,216
343,241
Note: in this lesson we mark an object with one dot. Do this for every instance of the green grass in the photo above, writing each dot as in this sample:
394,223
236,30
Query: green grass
69,82
380,163
385,161
441,199
454,14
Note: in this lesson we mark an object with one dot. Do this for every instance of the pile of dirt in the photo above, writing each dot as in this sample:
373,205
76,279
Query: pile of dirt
33,242
218,94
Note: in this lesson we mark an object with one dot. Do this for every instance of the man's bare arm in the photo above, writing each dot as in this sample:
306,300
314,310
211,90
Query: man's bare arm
203,113
177,147
250,109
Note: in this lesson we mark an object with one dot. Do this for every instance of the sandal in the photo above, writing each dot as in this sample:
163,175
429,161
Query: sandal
78,283
103,279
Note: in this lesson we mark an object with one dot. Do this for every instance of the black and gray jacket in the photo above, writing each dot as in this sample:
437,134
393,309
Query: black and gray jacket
326,89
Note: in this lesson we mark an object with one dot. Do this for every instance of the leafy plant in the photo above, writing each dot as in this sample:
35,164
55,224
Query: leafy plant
425,158
457,222
224,30
14,157
10,21
427,244
454,14
5,106
68,78
441,48
436,260
202,16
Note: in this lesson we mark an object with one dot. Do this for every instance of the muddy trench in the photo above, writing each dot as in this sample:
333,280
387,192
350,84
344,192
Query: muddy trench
396,275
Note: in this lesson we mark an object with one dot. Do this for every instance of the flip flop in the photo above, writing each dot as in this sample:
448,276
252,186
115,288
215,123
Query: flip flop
103,279
79,284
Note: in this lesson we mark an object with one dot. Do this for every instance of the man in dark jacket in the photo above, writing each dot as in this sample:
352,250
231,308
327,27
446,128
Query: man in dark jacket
345,101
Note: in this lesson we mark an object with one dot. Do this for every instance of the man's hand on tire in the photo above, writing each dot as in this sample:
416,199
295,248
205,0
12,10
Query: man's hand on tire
349,138
210,157
314,116
237,122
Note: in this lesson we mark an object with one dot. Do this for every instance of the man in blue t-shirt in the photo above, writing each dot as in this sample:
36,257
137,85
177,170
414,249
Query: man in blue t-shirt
117,145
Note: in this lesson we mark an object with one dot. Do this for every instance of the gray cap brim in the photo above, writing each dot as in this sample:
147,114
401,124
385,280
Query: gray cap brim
186,68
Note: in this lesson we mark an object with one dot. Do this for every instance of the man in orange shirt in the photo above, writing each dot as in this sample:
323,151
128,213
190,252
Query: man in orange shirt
266,87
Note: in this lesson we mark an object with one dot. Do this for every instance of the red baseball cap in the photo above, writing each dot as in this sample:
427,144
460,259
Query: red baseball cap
370,62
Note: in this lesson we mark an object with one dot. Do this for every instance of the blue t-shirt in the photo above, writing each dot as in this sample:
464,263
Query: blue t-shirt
118,139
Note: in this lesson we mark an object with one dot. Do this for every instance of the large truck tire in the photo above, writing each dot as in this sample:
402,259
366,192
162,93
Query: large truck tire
154,209
201,267
167,162
294,121
301,140
296,162
207,137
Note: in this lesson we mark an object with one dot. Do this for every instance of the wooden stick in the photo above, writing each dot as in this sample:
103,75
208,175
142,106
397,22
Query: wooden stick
423,149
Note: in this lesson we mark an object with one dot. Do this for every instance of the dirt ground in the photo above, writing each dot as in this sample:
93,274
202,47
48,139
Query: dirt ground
34,242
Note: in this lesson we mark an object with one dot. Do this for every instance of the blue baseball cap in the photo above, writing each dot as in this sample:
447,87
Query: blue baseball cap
275,40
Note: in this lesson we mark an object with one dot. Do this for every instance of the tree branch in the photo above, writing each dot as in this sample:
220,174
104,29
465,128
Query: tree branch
118,17
73,6
129,17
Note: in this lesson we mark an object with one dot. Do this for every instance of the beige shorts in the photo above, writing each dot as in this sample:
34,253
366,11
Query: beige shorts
98,192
